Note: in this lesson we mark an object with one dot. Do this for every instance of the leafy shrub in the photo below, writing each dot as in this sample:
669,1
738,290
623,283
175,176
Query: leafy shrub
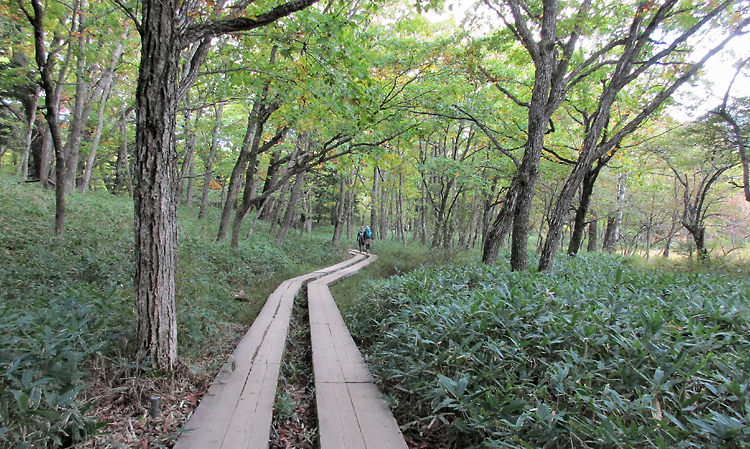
596,354
40,357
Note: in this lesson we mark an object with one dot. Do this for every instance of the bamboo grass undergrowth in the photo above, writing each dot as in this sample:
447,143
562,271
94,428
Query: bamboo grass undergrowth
599,353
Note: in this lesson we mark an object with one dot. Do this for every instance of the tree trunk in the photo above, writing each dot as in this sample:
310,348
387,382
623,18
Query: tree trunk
272,175
381,224
278,209
45,63
155,186
122,155
338,216
593,228
248,194
30,121
188,164
46,157
400,231
608,244
106,87
239,169
286,223
501,226
375,197
82,106
248,155
579,223
670,235
209,176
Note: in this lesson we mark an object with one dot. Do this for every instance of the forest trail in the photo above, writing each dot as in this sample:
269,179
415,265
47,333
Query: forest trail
237,410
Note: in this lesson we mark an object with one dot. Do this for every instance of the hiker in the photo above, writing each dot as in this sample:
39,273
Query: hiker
368,238
361,238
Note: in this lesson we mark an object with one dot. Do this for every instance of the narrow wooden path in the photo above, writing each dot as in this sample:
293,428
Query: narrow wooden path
351,412
237,410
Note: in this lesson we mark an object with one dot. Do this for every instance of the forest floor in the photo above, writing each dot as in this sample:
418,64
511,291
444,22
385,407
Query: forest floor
120,395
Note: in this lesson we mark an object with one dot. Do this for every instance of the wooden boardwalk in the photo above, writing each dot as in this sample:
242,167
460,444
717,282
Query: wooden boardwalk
351,412
238,409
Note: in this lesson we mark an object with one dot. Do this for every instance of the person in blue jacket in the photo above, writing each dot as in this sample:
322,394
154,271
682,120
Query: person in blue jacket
368,238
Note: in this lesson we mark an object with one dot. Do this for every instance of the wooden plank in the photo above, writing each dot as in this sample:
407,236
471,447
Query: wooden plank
350,360
209,423
250,424
337,421
237,410
326,367
379,429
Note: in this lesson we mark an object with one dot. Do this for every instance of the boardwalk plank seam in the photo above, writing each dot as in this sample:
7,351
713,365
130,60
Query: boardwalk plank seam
343,385
213,420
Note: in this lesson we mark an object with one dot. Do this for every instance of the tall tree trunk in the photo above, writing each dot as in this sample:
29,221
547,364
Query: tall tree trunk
583,206
188,163
609,242
501,226
155,185
286,223
670,235
381,223
248,194
46,155
45,63
279,208
33,102
248,154
122,155
82,106
106,87
593,229
272,175
375,197
541,107
239,169
338,216
209,176
400,231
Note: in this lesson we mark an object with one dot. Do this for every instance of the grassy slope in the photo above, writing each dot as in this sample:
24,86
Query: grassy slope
66,308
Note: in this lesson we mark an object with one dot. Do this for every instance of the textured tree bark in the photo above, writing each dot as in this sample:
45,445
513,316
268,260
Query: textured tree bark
539,114
155,186
609,242
272,175
382,217
46,155
239,169
249,192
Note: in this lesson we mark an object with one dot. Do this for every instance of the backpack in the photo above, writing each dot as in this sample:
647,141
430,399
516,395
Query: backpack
368,234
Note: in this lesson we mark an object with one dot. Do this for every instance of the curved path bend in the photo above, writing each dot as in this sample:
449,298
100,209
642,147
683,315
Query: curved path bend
237,411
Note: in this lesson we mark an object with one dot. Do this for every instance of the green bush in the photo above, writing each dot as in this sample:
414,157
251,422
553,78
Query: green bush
596,354
41,353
